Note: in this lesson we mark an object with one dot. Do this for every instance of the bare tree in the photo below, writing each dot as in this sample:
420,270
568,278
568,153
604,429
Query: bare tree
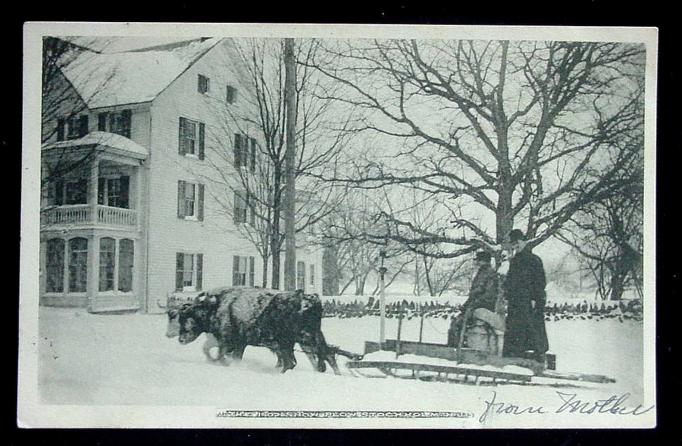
607,234
514,133
254,172
62,103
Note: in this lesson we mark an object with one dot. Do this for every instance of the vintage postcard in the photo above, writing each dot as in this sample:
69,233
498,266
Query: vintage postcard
337,226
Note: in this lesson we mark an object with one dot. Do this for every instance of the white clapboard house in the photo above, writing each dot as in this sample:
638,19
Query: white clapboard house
137,219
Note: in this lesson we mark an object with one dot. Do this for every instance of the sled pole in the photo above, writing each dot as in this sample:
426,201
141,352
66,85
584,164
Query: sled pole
460,344
382,301
400,326
421,321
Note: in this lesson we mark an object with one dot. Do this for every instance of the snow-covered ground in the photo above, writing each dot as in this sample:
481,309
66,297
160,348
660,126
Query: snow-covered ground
88,359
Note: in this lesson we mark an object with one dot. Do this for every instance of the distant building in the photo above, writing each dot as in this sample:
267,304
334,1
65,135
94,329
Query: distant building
136,221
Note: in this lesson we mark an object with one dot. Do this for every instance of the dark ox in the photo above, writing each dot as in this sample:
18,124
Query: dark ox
237,317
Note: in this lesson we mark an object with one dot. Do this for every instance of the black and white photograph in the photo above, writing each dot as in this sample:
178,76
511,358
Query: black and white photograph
323,226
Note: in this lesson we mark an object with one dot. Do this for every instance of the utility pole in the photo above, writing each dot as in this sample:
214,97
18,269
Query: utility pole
290,166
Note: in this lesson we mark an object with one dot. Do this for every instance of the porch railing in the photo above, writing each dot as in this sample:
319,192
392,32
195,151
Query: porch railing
81,214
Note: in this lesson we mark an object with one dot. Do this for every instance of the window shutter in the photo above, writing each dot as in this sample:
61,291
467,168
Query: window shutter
59,193
201,140
235,270
179,263
126,117
201,202
60,130
83,125
181,199
125,191
250,209
102,122
181,136
100,190
200,271
253,155
252,271
237,150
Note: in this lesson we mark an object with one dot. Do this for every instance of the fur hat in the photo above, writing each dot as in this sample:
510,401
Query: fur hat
515,235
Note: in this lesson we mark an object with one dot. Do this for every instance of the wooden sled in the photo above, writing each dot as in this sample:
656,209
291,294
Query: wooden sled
469,367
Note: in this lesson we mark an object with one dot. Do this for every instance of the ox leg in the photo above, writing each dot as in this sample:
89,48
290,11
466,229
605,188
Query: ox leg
288,358
211,343
238,352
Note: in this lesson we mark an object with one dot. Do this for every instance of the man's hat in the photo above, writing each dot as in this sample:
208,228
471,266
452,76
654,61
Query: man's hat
483,255
515,235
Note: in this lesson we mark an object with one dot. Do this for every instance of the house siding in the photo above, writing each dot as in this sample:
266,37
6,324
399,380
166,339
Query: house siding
216,237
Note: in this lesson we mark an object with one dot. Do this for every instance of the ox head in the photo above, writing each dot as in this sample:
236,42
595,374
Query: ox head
175,305
194,319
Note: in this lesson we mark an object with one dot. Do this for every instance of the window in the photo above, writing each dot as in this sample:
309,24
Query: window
115,122
300,276
62,192
241,207
126,256
191,138
107,262
203,84
243,268
78,264
54,267
230,94
312,275
188,276
190,201
76,192
114,192
72,127
245,149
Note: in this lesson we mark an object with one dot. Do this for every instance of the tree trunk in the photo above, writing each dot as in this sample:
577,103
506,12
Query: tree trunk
504,221
275,237
290,166
265,271
330,271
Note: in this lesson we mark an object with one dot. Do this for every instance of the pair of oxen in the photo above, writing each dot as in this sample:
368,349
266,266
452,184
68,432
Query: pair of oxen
234,317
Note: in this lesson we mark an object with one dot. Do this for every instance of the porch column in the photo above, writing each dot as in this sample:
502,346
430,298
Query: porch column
138,196
93,270
92,190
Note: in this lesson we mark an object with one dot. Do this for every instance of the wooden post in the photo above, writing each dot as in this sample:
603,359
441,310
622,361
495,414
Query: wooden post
400,326
421,322
382,301
290,166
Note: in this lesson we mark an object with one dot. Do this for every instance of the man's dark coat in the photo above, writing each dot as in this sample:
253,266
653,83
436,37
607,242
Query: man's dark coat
525,282
483,292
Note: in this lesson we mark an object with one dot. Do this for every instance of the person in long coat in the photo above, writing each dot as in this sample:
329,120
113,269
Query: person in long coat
482,294
525,292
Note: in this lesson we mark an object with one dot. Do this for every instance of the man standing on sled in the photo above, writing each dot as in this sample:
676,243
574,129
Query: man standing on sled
525,291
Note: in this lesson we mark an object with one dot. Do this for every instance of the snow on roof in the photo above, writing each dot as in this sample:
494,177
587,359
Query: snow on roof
119,143
131,77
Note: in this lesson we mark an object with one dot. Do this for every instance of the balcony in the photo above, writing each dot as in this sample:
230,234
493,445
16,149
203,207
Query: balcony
83,215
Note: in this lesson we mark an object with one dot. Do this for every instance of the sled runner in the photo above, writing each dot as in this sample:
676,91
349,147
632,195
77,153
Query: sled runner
468,365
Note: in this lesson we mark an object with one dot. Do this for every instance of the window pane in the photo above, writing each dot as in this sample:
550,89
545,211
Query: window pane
126,257
190,190
188,270
76,192
114,192
300,275
78,265
55,266
107,258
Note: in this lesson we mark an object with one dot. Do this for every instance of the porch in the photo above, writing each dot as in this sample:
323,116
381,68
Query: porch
91,225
